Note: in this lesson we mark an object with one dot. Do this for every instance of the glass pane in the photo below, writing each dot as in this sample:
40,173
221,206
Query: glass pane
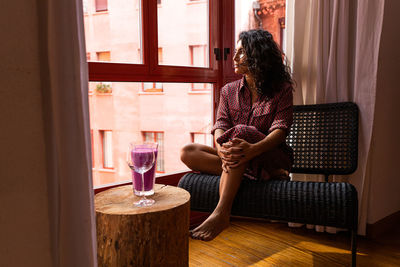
107,150
203,138
130,114
113,30
183,36
266,14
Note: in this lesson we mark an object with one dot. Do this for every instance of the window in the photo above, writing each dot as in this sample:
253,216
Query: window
92,143
149,87
157,137
169,118
103,56
197,55
101,5
282,34
202,138
160,55
85,6
198,58
107,149
154,51
189,25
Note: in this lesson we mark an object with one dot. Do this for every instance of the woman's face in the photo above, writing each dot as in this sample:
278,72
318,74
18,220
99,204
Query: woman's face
240,59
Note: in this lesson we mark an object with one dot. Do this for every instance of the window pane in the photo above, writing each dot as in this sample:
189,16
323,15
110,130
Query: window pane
131,115
202,138
101,5
160,157
183,37
114,34
265,14
107,149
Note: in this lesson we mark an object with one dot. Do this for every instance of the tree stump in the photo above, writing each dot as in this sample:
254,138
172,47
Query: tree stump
143,236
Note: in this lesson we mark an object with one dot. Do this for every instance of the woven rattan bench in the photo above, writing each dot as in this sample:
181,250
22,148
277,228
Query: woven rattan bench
324,138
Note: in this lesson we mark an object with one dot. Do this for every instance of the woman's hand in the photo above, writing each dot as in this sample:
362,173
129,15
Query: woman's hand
237,152
229,155
221,156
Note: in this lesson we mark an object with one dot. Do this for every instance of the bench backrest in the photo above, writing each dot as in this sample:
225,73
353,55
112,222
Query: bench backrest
324,138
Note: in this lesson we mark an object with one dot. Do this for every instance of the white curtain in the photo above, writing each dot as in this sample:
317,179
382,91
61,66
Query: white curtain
333,47
65,100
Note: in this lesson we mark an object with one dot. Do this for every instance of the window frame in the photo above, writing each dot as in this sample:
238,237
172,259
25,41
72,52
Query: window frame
98,9
150,70
155,139
153,89
204,134
102,140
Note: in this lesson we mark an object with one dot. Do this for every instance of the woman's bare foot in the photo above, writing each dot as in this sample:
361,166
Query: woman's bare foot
211,227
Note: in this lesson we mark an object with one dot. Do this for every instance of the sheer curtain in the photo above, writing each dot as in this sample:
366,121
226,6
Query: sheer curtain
333,48
65,99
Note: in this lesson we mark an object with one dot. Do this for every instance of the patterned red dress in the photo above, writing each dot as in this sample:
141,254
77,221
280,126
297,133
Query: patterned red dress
238,117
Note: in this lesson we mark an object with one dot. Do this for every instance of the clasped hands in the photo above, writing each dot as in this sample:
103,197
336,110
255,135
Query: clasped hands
235,153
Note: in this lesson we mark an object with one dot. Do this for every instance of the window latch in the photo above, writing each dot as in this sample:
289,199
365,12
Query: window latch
227,51
217,53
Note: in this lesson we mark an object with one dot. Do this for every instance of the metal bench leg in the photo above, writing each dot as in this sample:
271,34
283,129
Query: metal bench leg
353,247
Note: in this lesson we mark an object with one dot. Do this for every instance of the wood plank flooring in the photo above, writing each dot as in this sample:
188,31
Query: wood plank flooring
260,243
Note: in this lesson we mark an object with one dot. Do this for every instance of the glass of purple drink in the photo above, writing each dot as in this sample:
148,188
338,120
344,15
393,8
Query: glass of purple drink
148,177
141,158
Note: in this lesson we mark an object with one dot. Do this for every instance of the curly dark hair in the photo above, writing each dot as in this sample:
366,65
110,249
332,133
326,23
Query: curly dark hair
265,61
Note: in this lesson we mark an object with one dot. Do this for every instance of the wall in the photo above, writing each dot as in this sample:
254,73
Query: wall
385,178
24,227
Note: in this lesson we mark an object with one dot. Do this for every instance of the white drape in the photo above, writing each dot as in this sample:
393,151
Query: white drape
65,99
333,47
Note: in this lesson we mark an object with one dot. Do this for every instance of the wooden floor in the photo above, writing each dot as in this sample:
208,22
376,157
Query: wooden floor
260,243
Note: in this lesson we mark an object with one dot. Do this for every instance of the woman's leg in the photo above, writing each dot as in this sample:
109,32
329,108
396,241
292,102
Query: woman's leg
219,218
201,158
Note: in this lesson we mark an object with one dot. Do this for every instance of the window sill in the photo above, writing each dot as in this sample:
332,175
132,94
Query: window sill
151,93
106,170
168,179
196,2
103,94
199,92
100,13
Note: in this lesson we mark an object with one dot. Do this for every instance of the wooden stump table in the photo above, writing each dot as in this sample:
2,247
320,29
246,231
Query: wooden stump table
142,236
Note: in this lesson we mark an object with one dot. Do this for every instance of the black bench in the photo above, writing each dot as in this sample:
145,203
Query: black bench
324,138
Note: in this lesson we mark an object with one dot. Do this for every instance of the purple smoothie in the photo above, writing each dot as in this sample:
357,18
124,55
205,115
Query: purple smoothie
138,158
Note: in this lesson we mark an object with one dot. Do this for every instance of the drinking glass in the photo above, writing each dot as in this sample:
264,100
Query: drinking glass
148,178
141,158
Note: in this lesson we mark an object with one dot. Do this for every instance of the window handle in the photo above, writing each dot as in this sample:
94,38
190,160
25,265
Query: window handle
217,53
227,51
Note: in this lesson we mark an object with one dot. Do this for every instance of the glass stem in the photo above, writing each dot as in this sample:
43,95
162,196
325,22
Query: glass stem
143,196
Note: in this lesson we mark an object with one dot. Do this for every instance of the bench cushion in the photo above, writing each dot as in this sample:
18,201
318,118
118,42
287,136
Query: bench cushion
320,203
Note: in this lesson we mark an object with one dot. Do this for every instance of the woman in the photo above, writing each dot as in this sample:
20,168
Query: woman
254,116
